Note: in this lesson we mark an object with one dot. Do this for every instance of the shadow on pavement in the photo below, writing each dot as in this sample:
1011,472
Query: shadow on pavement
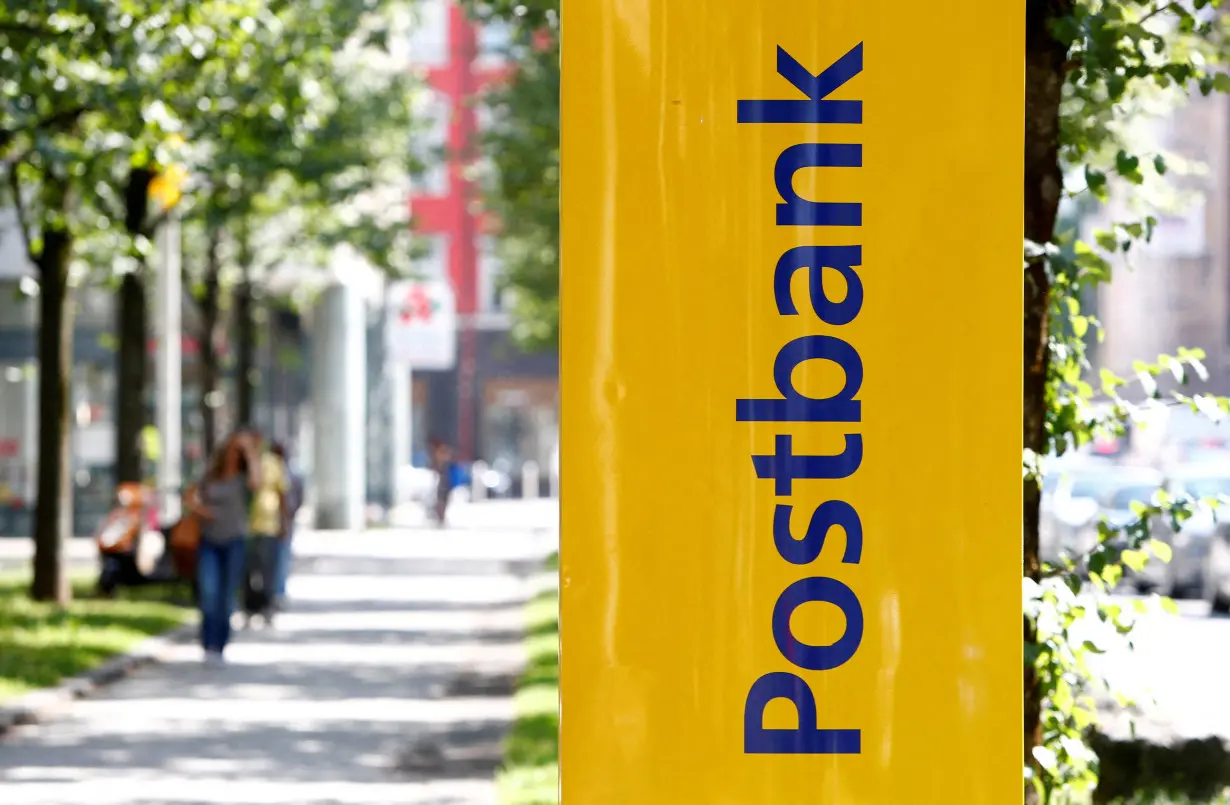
463,752
319,564
324,684
363,606
355,686
355,751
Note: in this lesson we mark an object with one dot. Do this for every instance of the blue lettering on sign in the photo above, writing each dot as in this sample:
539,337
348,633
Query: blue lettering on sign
796,407
798,211
805,551
815,259
806,740
784,466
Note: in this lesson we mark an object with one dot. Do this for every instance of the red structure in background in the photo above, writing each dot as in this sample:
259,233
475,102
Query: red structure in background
455,214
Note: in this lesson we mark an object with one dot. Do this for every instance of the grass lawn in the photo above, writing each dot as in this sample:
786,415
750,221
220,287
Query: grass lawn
531,752
41,644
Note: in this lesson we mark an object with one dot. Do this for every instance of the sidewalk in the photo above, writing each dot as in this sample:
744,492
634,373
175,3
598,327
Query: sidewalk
540,515
514,514
387,682
16,552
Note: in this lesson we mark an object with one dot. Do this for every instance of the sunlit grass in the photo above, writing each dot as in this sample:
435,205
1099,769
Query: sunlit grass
41,644
531,752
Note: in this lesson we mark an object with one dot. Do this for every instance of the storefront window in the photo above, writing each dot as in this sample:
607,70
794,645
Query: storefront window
520,423
93,444
418,423
18,450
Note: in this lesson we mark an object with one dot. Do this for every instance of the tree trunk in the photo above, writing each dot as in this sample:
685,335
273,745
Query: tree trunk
1044,77
211,308
132,317
132,328
245,348
53,516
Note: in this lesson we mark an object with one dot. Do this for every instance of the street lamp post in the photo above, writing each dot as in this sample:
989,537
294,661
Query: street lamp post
168,305
168,371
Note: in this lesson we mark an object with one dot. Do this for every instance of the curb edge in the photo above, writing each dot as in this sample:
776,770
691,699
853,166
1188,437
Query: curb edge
39,705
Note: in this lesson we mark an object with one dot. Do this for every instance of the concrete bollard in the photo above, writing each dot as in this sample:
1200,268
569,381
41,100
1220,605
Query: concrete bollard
529,480
478,489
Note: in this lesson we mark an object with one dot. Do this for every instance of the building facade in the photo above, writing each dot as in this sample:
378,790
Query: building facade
279,399
1175,291
498,404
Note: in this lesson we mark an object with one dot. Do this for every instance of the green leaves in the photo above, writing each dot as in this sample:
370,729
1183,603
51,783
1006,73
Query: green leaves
521,188
1135,560
1125,60
1128,167
299,132
1095,180
1161,550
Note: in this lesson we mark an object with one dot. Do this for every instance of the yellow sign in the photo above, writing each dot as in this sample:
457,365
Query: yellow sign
166,189
791,392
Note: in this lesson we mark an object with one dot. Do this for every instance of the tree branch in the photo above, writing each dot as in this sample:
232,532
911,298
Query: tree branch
1159,10
10,27
56,120
20,207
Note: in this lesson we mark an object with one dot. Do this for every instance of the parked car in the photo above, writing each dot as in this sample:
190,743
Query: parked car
1118,509
1216,585
1081,496
1084,498
1202,485
1058,512
1205,451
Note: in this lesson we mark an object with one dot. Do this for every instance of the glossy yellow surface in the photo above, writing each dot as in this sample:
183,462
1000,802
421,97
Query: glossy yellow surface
669,573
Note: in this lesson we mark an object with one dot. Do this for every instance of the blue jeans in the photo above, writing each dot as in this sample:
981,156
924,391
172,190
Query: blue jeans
282,572
219,572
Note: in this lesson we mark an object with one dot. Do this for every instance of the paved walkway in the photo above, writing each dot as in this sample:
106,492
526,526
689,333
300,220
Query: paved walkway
488,515
386,683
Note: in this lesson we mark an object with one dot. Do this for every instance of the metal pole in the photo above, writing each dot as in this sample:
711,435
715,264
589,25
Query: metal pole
529,480
169,406
339,368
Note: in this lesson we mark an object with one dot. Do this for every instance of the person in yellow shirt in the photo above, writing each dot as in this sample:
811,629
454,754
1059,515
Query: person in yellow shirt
267,527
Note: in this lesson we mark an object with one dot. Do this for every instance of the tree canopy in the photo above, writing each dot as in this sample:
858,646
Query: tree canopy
276,116
523,147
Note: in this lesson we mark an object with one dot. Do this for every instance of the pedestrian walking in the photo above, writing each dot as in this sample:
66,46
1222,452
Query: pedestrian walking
267,529
442,463
221,501
294,500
